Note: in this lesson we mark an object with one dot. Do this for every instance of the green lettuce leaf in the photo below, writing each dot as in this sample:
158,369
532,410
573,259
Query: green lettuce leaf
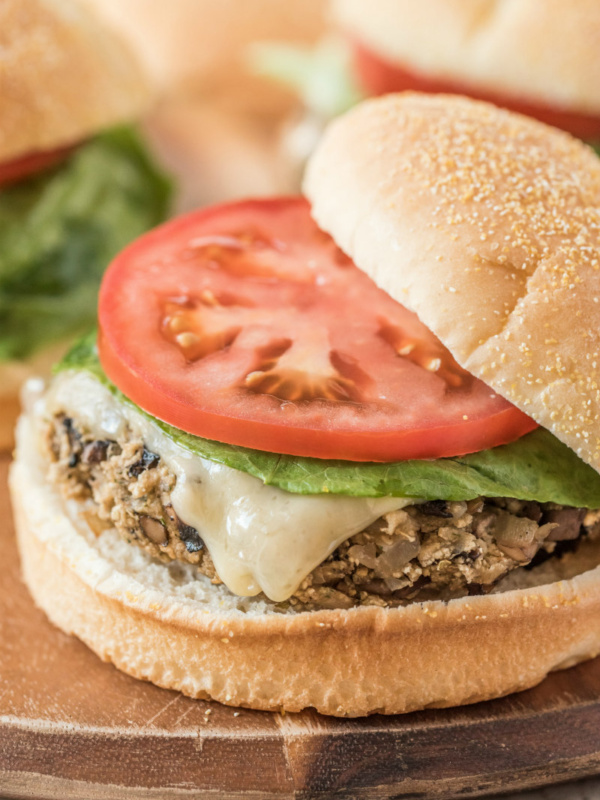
320,76
59,231
536,467
595,146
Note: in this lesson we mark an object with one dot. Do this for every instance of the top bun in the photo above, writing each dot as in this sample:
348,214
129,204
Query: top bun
545,51
201,46
63,76
486,224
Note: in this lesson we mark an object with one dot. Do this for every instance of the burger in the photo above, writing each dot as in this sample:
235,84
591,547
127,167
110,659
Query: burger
537,57
197,47
74,188
339,452
216,126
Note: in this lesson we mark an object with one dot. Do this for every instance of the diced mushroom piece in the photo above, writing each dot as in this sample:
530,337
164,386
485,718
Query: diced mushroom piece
190,537
436,508
567,521
147,460
514,531
331,598
365,554
391,561
95,452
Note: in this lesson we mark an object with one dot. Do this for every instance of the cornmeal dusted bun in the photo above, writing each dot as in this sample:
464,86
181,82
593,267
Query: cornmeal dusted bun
487,225
63,76
540,50
182,632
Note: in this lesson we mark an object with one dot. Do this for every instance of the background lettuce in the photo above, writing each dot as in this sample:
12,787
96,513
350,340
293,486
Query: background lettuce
321,76
59,230
536,467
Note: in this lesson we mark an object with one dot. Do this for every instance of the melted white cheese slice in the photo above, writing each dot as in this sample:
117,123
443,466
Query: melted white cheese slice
261,538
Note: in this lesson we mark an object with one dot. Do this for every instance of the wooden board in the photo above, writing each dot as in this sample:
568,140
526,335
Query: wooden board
73,727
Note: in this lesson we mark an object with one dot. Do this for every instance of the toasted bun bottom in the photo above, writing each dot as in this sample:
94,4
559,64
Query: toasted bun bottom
169,626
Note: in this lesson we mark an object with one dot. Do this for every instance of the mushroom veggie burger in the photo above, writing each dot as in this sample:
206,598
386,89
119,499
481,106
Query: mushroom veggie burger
268,482
539,57
70,197
536,57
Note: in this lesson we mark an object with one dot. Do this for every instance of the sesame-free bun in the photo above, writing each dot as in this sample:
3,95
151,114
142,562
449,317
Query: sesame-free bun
63,76
487,225
171,626
201,46
545,51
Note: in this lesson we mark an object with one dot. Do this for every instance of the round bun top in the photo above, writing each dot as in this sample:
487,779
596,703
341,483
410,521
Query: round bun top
487,225
63,76
538,50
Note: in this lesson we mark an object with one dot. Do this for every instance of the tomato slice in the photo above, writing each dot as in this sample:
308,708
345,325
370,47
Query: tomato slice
378,76
25,166
244,323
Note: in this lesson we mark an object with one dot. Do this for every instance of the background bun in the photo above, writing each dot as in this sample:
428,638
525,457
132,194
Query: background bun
176,629
63,76
539,50
487,225
200,46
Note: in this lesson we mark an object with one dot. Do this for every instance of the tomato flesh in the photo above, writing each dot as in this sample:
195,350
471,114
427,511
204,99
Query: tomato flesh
245,324
378,76
30,164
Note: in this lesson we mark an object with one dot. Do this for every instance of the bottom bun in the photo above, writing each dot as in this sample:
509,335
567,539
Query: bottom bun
171,626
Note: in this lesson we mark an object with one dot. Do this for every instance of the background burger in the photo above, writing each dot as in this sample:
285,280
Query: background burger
536,57
216,126
269,483
74,189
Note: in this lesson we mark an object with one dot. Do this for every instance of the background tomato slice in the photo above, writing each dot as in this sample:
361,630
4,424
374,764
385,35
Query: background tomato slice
378,77
245,323
30,164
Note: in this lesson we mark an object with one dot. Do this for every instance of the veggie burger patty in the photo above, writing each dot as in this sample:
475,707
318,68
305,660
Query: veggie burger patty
435,549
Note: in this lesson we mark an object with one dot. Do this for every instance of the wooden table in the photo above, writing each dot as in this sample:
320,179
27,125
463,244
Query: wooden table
73,727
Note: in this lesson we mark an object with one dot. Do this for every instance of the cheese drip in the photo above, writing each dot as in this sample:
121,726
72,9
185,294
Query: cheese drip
261,538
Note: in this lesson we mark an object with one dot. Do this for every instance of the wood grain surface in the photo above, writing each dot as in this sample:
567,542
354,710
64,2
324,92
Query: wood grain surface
73,727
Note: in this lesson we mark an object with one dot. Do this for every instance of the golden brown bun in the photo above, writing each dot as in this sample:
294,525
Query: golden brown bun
181,632
540,50
13,375
63,76
487,225
201,45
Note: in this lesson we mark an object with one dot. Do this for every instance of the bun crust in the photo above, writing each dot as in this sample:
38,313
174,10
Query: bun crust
487,225
62,76
186,634
538,50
